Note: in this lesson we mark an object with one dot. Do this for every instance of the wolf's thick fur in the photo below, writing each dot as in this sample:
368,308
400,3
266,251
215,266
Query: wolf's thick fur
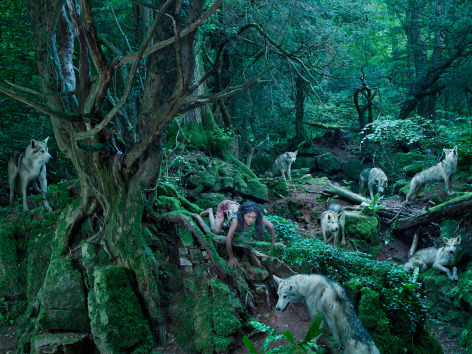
282,164
442,171
438,258
27,167
322,294
332,223
370,178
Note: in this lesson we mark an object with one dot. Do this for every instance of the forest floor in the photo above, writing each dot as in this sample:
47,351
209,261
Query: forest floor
393,249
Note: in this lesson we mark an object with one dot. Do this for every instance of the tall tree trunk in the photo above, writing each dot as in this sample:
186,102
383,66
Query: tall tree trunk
300,110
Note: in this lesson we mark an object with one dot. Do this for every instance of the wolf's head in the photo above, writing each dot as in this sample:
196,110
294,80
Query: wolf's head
291,156
287,292
330,221
451,154
38,151
453,245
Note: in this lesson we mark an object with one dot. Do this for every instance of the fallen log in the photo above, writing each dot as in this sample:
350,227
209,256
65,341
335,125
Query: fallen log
451,208
389,213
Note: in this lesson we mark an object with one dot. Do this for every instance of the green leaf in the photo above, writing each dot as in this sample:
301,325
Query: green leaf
289,336
249,345
266,343
314,330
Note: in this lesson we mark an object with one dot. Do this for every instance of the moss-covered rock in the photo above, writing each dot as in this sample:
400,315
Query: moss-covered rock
63,301
363,232
207,315
116,318
12,279
328,164
71,343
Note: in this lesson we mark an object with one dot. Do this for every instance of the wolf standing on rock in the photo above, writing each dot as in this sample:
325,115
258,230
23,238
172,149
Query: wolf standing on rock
443,170
338,313
370,178
281,165
27,167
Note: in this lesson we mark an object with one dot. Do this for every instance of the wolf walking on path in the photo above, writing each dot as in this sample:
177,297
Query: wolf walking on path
322,294
27,167
370,178
442,171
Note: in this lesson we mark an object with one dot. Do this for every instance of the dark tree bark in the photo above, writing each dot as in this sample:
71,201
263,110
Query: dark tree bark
300,110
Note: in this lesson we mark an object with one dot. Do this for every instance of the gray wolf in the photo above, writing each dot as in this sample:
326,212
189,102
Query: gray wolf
370,178
27,167
281,165
333,220
443,170
438,258
338,313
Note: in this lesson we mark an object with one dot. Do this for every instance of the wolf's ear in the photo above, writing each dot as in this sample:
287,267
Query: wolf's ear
46,140
296,152
458,239
446,240
277,279
33,143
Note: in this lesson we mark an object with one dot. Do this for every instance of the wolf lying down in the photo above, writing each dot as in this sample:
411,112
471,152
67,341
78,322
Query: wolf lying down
438,258
322,294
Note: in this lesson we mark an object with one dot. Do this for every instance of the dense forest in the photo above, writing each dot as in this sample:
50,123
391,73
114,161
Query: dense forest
144,115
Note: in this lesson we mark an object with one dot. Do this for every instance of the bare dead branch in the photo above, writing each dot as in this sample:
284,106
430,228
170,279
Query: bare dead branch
70,117
42,94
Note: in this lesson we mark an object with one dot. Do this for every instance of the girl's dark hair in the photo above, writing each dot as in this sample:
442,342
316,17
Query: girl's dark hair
248,207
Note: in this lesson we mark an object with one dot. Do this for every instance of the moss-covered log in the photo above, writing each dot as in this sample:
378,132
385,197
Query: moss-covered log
451,208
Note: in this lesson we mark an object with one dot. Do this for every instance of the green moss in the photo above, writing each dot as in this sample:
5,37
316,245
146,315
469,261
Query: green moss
12,280
371,313
442,295
257,189
363,232
328,164
117,322
63,304
207,315
401,188
413,162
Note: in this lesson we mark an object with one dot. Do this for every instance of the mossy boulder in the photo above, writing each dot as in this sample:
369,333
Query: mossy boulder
116,319
63,301
328,163
207,315
12,279
71,343
363,232
219,176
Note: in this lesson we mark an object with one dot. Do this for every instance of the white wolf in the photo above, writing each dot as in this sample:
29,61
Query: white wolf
332,223
438,258
370,178
27,167
322,294
282,164
442,171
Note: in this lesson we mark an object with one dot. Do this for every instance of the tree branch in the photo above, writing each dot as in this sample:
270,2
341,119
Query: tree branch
158,46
